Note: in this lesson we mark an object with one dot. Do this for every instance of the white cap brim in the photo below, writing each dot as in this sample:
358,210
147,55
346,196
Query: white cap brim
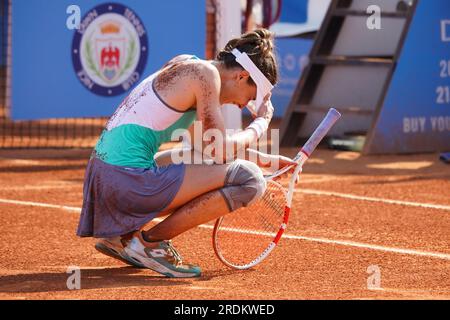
263,85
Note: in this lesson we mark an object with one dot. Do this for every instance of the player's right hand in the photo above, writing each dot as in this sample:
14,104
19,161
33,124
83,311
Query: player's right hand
266,109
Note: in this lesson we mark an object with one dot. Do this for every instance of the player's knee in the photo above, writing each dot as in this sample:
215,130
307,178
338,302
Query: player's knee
244,184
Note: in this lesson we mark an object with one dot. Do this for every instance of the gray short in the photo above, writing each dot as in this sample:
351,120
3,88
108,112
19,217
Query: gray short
119,200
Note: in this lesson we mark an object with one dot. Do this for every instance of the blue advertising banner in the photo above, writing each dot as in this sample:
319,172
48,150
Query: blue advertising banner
293,56
416,112
60,72
294,11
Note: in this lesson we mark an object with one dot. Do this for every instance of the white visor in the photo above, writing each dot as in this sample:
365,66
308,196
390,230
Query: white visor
263,85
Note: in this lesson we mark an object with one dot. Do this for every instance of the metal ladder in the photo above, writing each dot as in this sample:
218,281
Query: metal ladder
350,68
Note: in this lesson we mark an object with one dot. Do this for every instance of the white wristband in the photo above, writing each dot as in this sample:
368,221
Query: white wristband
260,125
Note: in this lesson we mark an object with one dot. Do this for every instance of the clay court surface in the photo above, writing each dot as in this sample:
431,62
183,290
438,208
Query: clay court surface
349,213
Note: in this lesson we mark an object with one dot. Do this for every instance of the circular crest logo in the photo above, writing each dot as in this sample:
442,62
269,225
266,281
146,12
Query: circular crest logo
110,49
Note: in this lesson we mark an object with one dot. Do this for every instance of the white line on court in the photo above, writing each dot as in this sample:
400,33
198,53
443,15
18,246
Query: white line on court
372,199
38,204
30,187
343,243
305,191
429,254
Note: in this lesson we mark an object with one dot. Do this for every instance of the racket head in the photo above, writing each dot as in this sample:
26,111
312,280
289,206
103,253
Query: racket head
245,237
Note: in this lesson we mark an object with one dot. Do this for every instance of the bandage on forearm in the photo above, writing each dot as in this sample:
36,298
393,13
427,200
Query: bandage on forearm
260,125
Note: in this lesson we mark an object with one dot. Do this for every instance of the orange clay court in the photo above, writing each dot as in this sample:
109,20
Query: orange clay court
362,226
351,213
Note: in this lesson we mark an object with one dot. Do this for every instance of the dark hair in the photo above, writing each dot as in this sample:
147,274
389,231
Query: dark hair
259,47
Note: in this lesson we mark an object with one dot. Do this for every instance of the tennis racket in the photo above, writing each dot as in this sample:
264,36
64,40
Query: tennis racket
245,237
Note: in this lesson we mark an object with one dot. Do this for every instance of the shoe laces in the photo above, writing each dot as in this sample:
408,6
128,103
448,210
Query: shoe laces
174,253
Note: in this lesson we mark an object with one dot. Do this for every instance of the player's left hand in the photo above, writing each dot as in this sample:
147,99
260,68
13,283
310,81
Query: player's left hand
285,162
275,163
280,162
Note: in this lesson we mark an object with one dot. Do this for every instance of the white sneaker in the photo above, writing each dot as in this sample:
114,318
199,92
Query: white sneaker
161,257
114,248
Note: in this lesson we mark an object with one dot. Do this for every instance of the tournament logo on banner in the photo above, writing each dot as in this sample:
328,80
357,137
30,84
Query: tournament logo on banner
110,49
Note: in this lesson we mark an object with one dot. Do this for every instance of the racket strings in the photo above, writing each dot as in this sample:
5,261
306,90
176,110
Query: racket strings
246,233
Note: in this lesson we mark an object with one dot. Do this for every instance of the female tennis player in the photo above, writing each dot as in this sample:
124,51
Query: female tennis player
127,184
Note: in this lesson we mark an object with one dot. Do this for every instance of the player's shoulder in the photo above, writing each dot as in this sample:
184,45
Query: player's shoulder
205,71
200,66
181,57
199,72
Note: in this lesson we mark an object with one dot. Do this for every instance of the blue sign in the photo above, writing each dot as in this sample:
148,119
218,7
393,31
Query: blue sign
293,57
87,72
416,112
294,11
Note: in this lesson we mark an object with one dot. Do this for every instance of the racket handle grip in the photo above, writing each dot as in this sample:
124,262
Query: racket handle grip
321,131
